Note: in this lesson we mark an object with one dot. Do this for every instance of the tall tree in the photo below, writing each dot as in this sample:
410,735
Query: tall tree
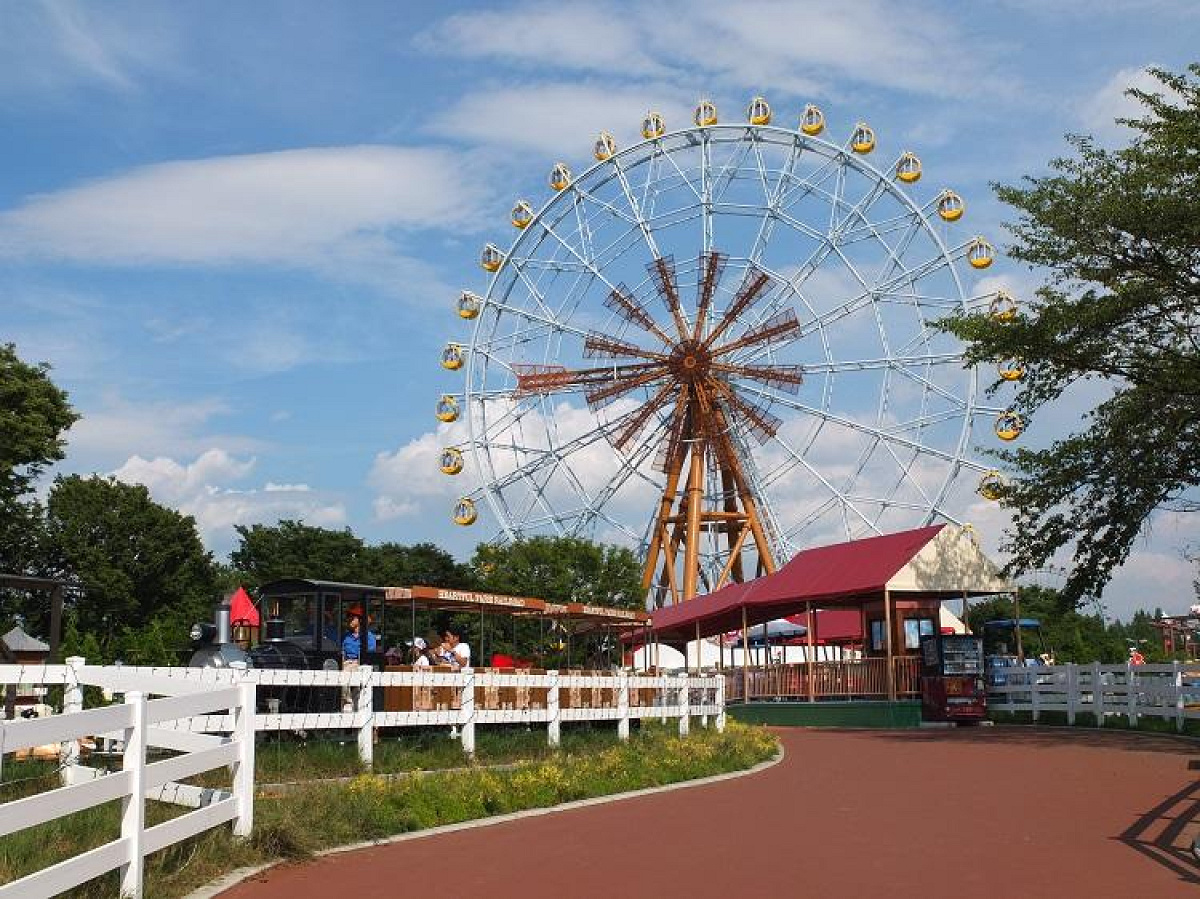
142,567
1119,233
395,564
561,569
293,549
34,415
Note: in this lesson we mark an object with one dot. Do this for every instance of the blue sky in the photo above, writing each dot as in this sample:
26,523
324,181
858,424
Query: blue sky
237,230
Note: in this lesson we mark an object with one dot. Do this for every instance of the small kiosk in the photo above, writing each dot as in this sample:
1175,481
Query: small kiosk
952,684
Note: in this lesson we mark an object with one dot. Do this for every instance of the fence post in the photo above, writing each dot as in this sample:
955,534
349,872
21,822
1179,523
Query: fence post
1097,695
703,703
553,726
1072,691
68,751
364,712
467,710
1178,681
1131,694
720,701
1035,695
133,806
623,705
664,699
685,722
243,771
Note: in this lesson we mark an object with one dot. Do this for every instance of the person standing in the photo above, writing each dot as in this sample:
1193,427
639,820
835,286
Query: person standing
352,653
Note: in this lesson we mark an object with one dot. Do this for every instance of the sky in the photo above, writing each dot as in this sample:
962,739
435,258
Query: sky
237,231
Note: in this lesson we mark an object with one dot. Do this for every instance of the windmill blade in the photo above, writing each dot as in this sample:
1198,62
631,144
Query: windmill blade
662,272
601,395
760,422
779,328
559,378
712,264
753,287
638,418
601,346
782,377
622,302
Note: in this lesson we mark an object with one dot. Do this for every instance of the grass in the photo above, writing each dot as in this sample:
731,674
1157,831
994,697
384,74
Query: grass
590,762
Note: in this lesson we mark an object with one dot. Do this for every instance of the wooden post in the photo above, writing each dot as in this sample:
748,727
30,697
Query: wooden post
1131,694
684,711
964,613
623,706
697,646
887,643
811,650
467,705
56,609
1097,694
68,751
1177,681
745,665
1072,691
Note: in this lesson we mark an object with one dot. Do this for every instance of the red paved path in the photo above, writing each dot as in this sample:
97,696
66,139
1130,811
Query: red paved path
963,813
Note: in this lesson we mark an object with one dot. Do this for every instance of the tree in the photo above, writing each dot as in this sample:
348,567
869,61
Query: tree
293,549
143,571
397,565
561,569
1119,233
34,414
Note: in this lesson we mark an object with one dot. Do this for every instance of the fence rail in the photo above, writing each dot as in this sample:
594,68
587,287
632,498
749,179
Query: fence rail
1166,692
210,716
133,721
841,679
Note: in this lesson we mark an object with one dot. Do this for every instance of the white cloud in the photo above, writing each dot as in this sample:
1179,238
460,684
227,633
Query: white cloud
561,120
205,489
1098,113
120,428
52,45
341,211
791,47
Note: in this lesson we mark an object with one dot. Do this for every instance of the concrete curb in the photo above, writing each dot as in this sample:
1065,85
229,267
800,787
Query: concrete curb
233,878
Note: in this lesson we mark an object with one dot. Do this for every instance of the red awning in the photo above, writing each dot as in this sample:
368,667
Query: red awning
830,575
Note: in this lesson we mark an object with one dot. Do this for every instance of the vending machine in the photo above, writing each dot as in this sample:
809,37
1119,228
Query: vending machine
952,678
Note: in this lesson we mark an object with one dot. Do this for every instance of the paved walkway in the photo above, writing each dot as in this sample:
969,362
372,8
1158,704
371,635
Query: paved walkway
960,813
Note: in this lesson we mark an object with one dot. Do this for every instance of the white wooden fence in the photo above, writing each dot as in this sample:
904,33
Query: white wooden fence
138,722
1170,692
211,715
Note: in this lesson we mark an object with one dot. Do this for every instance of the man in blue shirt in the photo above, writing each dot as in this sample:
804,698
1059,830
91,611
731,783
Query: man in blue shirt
352,642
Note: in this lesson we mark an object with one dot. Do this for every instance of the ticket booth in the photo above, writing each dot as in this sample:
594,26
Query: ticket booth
952,682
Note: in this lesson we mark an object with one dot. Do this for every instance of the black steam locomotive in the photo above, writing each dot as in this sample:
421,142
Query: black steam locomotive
303,624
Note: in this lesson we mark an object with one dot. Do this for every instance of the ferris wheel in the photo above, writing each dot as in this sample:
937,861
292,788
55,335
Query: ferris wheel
717,345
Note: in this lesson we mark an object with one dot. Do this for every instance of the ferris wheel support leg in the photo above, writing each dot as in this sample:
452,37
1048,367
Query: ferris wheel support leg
659,533
735,533
695,499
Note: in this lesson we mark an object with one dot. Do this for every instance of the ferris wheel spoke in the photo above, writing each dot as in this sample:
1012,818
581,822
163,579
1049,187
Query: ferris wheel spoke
634,208
546,317
587,264
838,497
662,274
850,423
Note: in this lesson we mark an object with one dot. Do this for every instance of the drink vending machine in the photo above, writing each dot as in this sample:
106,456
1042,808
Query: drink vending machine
952,684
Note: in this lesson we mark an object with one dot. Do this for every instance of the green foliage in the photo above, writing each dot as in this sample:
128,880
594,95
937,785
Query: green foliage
1119,233
394,564
143,571
293,549
561,569
1068,633
33,416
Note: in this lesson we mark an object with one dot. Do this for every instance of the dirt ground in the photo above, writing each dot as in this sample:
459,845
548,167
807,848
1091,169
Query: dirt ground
927,813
